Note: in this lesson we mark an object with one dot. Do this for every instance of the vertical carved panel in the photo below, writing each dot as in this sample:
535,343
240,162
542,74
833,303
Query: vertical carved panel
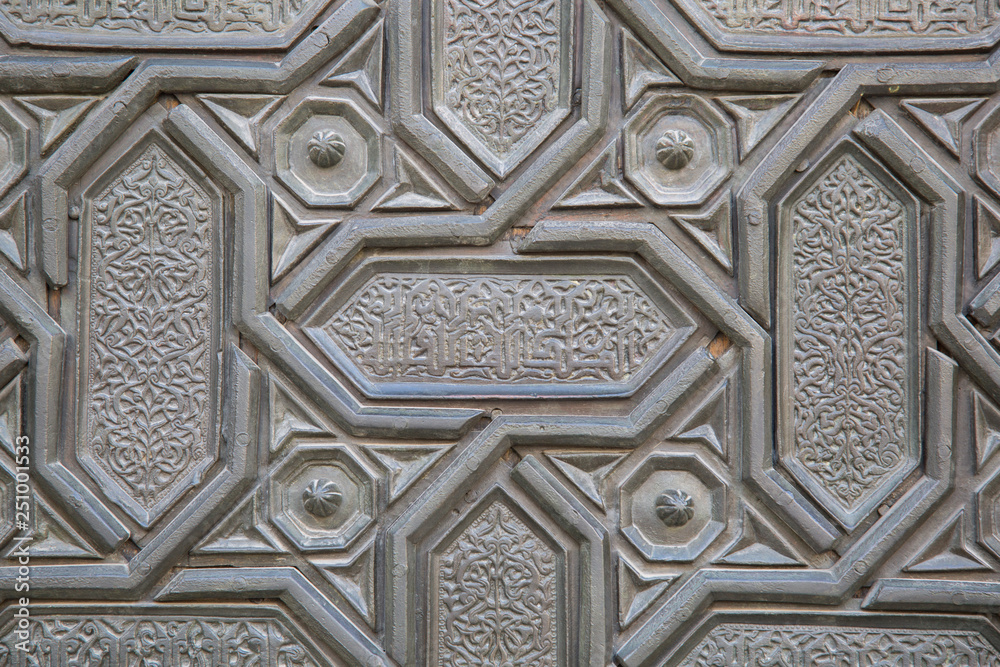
848,317
496,591
501,73
147,382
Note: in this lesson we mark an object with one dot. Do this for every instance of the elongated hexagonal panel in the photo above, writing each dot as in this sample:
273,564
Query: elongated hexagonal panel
501,73
478,327
230,635
157,24
851,25
753,640
149,329
848,320
498,592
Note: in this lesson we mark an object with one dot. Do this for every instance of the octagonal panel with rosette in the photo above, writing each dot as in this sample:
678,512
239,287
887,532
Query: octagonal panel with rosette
678,149
322,498
327,151
672,507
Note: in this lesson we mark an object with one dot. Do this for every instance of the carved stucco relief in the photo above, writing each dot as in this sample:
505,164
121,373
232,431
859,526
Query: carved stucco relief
541,332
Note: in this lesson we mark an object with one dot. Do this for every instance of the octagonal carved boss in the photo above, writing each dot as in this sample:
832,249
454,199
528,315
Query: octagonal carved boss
327,151
673,507
322,497
678,149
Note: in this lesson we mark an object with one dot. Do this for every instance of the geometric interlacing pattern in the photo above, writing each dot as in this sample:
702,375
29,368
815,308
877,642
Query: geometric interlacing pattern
452,332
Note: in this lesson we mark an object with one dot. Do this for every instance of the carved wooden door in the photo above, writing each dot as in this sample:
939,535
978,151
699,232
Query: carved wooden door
499,333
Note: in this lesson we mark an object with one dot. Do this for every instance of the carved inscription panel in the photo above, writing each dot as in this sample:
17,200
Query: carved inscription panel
60,638
520,334
496,333
757,644
156,23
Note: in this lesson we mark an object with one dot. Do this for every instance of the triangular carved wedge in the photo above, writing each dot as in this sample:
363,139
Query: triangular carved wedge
987,237
759,544
241,532
948,551
53,537
756,116
641,70
414,190
713,231
355,580
587,470
711,422
10,413
987,428
242,115
292,238
943,119
361,67
14,232
57,115
600,184
637,591
289,418
405,463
